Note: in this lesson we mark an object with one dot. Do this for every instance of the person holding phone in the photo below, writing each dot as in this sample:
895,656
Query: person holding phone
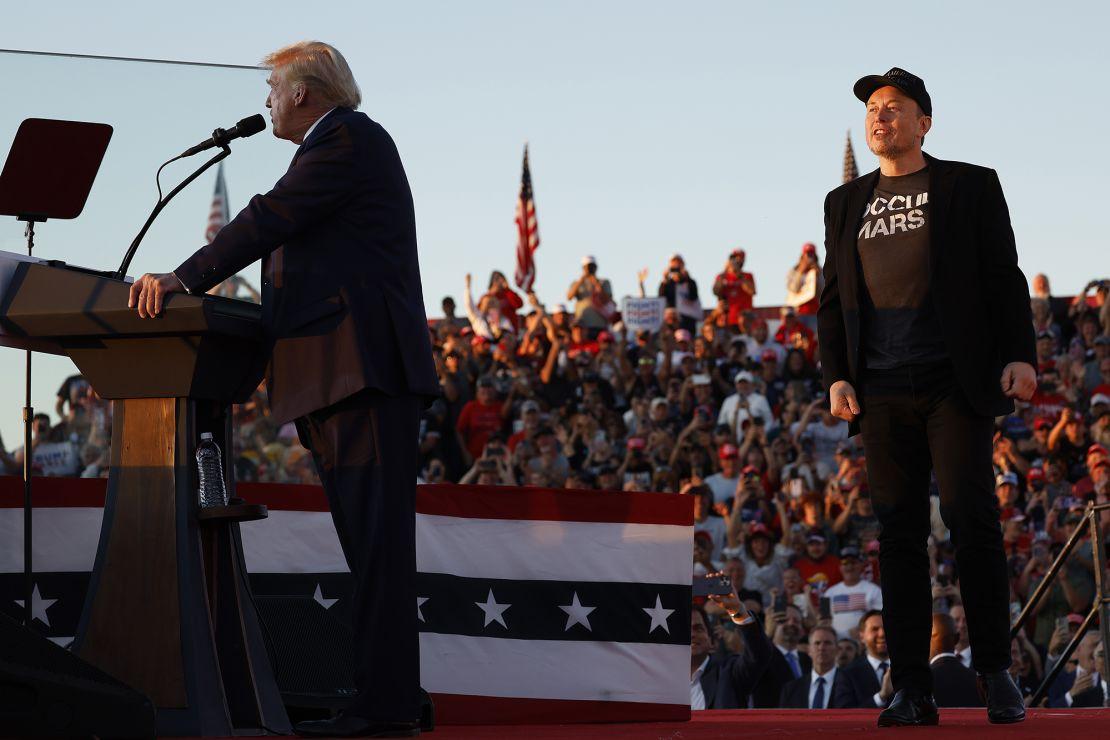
725,681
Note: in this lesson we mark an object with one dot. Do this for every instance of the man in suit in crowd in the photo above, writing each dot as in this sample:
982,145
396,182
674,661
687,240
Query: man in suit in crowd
787,662
350,359
866,683
1082,685
912,249
726,681
815,688
954,683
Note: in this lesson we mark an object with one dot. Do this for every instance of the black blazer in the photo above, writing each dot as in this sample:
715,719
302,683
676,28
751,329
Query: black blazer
795,694
342,302
954,684
979,293
728,681
769,689
856,686
1092,697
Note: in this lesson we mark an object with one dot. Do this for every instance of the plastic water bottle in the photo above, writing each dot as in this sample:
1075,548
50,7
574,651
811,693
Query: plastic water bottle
210,468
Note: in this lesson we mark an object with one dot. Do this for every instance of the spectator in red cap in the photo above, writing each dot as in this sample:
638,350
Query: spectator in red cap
763,563
793,334
681,293
759,340
804,283
723,484
487,320
735,287
819,568
507,298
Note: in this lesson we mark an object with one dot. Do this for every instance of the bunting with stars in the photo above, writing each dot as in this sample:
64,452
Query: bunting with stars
534,605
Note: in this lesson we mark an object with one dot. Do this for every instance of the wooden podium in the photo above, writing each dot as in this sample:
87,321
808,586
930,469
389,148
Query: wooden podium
168,609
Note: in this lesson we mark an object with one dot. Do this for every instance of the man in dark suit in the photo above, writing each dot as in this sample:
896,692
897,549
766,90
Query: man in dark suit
726,681
815,688
866,682
1082,686
953,683
351,359
926,314
787,662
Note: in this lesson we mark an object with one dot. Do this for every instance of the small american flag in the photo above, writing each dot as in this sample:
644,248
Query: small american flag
528,234
853,602
218,215
851,172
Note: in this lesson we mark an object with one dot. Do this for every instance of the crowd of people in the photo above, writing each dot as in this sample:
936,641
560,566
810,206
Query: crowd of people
724,404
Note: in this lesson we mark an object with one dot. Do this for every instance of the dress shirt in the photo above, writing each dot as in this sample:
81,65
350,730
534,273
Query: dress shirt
829,678
791,660
875,663
938,656
965,656
697,696
313,126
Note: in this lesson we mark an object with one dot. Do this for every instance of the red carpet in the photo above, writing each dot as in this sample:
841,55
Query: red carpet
1062,724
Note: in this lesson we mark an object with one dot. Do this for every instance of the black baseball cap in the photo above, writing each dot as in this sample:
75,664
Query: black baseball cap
908,83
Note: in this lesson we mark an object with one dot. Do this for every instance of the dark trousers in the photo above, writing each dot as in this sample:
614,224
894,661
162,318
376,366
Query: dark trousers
916,420
365,450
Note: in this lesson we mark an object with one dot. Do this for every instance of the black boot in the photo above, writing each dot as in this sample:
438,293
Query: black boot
910,708
1005,704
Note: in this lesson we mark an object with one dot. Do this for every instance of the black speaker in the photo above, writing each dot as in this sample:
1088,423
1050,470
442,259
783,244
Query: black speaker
46,691
311,652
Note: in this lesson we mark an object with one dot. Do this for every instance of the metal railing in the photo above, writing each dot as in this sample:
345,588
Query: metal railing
1100,604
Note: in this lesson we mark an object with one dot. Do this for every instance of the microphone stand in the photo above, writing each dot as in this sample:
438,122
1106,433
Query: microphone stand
122,271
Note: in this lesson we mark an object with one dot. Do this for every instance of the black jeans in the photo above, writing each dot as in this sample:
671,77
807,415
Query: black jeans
365,450
914,420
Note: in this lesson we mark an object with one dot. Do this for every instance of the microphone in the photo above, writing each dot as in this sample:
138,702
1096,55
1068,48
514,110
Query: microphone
220,137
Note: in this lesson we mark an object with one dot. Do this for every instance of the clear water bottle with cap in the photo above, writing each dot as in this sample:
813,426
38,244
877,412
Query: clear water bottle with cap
210,468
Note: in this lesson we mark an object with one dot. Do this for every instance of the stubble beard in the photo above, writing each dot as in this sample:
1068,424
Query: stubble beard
888,148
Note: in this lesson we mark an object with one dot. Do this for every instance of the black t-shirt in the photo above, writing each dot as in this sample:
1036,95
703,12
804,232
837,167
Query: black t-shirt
900,326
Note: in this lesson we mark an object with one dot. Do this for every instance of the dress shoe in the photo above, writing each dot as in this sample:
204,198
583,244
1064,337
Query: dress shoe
910,708
346,725
1005,704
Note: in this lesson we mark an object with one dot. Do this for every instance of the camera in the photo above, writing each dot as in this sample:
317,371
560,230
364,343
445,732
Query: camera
591,268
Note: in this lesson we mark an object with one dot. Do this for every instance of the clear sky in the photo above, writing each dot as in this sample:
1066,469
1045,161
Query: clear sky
654,127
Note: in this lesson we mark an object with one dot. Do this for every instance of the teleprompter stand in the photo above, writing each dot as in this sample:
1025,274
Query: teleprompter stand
168,609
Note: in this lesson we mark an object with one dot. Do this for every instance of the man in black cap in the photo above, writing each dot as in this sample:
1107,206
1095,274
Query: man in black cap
913,249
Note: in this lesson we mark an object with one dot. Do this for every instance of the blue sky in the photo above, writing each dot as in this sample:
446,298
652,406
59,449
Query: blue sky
653,127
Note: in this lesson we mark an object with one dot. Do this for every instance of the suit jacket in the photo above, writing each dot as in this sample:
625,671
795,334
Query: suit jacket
728,681
954,684
856,686
979,293
342,302
769,688
1092,697
795,694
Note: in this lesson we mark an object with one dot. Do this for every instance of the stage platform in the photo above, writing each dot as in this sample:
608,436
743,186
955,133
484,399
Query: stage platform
833,723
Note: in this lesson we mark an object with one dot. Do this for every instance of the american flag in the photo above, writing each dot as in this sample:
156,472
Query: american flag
853,602
528,233
218,215
851,172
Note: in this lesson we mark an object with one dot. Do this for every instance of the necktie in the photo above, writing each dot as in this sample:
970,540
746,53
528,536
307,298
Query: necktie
882,671
819,695
792,659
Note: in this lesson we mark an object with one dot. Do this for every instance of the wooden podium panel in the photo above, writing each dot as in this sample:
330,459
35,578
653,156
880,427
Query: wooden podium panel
136,596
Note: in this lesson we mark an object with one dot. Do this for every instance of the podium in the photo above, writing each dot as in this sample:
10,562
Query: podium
168,610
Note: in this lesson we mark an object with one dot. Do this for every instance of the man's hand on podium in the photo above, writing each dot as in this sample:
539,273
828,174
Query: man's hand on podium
148,292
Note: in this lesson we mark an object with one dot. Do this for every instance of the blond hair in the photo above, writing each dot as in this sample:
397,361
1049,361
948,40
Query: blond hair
321,68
